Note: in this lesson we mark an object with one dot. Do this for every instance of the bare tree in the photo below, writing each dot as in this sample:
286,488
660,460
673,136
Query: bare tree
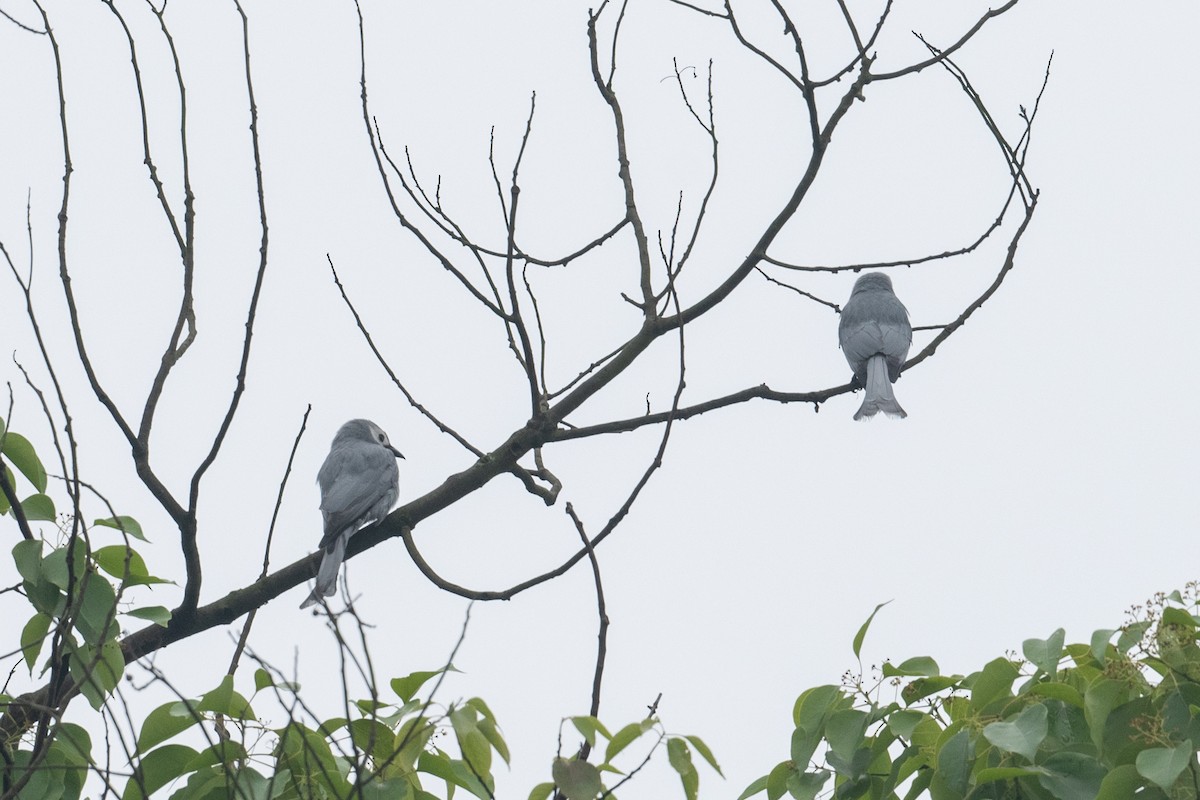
501,278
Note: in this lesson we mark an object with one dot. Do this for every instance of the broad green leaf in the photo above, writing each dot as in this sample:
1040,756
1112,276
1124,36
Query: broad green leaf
862,631
754,788
1162,765
27,555
97,671
806,785
1058,691
407,687
38,508
97,620
1023,734
159,615
844,732
1121,783
923,687
1004,773
475,748
262,679
157,769
625,737
804,744
993,682
680,759
578,780
75,743
813,707
20,453
163,723
224,700
1131,635
491,733
1072,776
777,779
588,727
1098,702
32,637
123,523
920,666
542,791
954,762
1045,653
125,564
1100,641
904,721
705,753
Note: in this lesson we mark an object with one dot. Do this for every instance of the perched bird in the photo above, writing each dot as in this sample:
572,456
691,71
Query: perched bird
875,335
359,483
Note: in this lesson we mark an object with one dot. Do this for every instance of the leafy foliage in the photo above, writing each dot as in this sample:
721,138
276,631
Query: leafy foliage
1098,721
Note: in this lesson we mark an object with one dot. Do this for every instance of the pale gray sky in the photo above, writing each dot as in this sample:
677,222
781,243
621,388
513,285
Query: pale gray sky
1045,475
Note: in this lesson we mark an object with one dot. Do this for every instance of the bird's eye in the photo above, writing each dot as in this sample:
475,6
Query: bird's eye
383,438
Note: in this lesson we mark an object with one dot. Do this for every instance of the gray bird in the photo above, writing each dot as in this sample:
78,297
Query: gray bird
359,483
875,335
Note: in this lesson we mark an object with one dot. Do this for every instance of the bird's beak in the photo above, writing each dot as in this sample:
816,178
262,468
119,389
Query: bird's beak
395,452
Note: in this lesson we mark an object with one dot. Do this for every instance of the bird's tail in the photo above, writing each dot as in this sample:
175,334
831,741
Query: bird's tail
327,574
879,395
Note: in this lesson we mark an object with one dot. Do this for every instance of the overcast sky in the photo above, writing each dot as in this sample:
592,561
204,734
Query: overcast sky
1044,477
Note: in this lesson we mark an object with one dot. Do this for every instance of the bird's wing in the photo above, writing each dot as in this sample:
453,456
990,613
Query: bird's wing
354,479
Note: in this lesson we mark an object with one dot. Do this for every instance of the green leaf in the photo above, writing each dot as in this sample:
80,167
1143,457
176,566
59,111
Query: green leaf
123,523
588,727
1057,691
804,744
487,726
262,679
625,737
157,769
163,723
578,780
754,788
27,555
541,791
125,564
954,762
1131,635
97,671
20,452
159,615
1004,774
475,748
1162,765
844,732
920,666
1098,702
1023,734
1072,776
224,700
923,687
806,785
38,507
862,631
777,779
813,706
32,637
1121,783
904,721
407,687
680,758
705,753
1045,653
97,620
993,682
1100,640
